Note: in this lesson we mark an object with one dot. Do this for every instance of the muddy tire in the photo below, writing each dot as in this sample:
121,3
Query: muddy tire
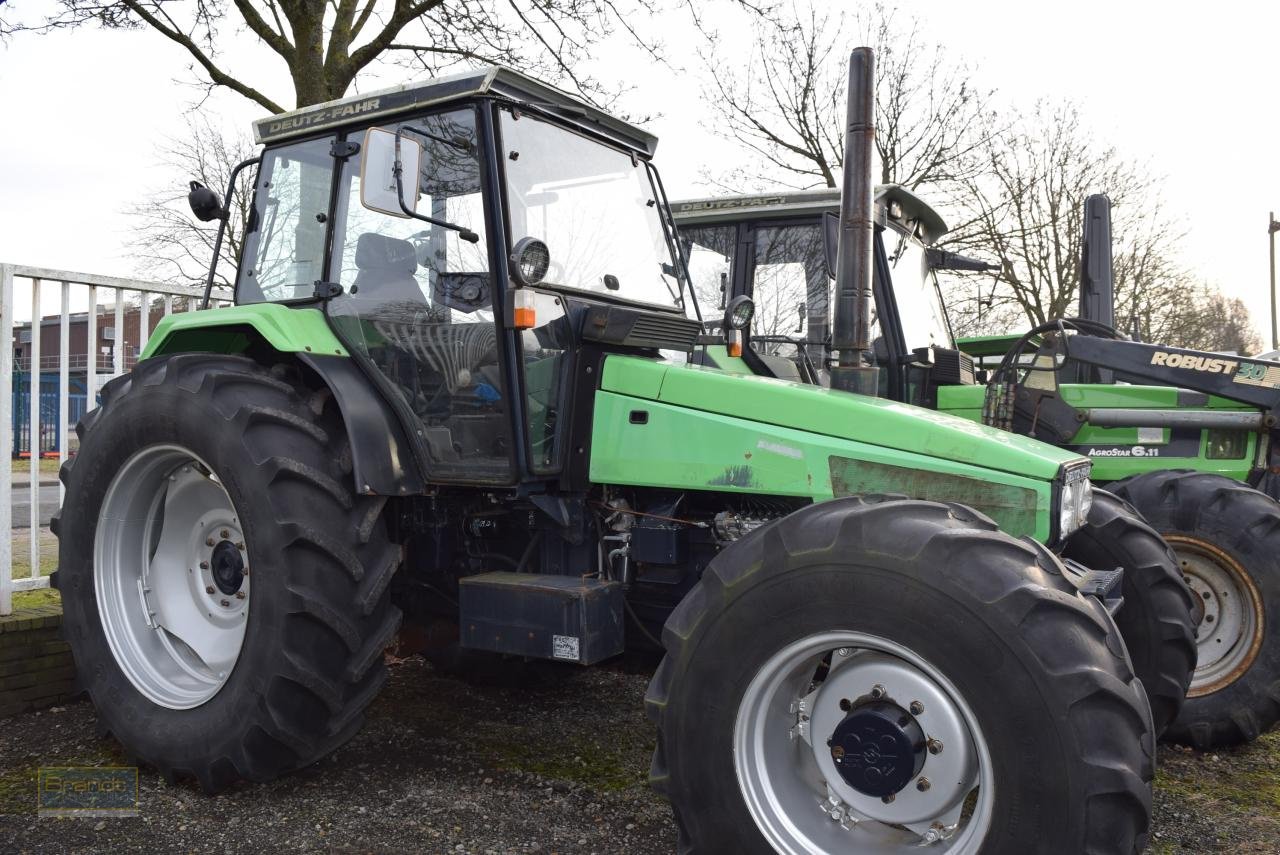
218,493
1155,620
932,619
1226,537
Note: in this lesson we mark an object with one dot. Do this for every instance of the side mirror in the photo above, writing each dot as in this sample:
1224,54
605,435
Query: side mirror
378,182
830,241
205,203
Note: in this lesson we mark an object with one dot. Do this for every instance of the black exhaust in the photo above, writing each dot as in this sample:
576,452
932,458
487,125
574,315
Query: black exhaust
1097,286
851,324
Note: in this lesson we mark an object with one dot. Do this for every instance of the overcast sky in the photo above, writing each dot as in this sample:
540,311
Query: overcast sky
83,112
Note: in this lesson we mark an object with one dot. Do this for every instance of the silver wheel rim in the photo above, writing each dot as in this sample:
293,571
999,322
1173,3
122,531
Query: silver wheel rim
790,782
1227,612
171,571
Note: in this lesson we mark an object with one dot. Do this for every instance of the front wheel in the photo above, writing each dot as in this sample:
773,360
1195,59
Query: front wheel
1155,620
1226,537
879,675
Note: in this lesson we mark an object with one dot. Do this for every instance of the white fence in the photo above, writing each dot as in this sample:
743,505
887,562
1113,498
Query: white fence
107,352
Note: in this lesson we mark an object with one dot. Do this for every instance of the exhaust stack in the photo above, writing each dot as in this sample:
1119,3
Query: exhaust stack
1097,287
851,324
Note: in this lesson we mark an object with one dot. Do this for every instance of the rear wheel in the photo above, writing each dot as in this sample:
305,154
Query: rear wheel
874,676
225,592
1156,617
1226,537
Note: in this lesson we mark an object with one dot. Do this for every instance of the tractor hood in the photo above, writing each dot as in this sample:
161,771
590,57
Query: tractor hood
826,412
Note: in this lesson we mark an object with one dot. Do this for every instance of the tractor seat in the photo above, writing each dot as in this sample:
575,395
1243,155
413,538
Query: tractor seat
385,268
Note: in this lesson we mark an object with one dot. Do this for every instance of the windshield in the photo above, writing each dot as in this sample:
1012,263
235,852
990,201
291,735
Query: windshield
593,206
915,287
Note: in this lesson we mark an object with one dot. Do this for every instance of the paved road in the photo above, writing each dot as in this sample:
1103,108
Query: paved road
22,504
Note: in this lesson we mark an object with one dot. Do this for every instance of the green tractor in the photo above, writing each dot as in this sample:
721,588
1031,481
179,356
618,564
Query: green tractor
1187,453
456,389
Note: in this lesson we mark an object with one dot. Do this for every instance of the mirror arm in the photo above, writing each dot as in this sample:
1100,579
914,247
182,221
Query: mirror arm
398,169
225,218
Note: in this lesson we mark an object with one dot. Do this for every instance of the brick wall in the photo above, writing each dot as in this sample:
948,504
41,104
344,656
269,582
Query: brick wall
36,670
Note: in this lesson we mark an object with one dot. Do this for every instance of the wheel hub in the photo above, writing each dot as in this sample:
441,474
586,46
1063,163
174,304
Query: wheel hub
227,567
878,748
870,734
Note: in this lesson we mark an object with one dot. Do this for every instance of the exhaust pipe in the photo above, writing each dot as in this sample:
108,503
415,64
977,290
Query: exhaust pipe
851,326
1097,287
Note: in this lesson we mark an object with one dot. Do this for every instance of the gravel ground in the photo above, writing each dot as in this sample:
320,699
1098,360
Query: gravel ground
554,766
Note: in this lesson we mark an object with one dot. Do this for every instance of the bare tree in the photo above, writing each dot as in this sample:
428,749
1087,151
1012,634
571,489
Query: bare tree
327,44
171,244
1220,323
1022,206
784,102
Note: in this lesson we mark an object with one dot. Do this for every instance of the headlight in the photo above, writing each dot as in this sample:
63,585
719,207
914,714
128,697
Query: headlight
530,259
738,313
1076,500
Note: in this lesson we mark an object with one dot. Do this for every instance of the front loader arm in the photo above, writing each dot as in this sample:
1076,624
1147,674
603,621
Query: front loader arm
1024,395
1249,381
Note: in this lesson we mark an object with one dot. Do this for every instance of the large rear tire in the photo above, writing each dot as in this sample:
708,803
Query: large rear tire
1155,619
1226,537
885,626
224,590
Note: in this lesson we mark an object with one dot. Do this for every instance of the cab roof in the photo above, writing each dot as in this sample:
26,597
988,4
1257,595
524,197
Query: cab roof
794,203
717,209
494,81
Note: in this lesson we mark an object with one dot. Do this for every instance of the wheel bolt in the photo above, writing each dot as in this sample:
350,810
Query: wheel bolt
877,691
204,565
208,589
208,541
888,799
843,651
239,595
1208,618
935,746
224,534
225,603
240,545
922,784
244,572
916,708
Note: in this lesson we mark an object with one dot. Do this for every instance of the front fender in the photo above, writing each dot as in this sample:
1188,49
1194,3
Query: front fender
228,330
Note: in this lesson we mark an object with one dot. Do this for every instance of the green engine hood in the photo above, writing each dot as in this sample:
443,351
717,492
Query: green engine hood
814,410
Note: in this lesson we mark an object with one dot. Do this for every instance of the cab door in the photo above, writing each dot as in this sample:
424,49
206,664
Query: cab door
417,301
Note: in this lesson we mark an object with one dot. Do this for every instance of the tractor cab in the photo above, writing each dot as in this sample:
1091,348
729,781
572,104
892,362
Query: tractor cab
458,233
779,250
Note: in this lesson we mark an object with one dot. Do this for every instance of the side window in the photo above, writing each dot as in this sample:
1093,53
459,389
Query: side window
284,254
791,290
417,301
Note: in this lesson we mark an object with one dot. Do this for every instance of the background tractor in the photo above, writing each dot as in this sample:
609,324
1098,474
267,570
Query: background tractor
442,396
1186,452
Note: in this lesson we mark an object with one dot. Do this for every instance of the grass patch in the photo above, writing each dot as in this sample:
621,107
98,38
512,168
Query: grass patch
47,466
1243,780
37,597
579,759
21,545
21,541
